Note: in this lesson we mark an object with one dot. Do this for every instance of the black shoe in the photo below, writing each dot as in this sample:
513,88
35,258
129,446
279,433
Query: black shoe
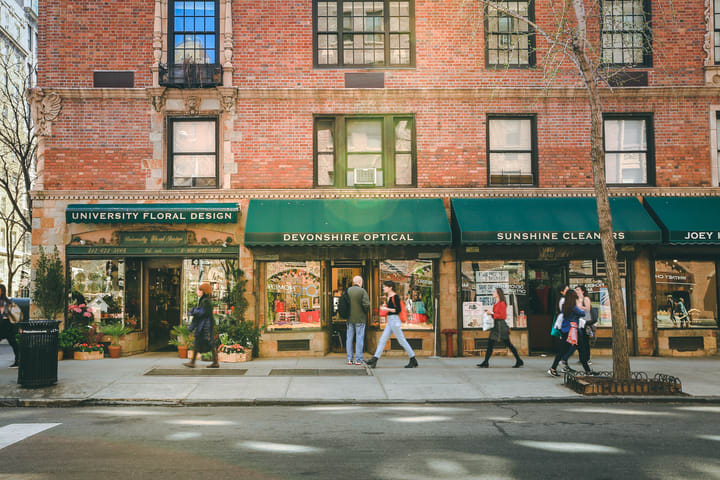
519,363
412,363
483,364
372,362
14,365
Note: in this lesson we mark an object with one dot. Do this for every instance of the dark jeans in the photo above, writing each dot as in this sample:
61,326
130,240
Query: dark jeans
562,350
584,349
489,350
8,330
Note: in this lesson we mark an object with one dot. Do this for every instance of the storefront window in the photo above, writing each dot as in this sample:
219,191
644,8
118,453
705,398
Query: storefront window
293,295
591,274
686,294
479,279
414,285
218,273
99,284
133,294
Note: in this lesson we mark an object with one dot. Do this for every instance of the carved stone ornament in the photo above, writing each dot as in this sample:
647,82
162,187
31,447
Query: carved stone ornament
227,100
157,98
709,27
192,105
45,108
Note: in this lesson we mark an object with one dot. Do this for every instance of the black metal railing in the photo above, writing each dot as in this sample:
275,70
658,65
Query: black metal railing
190,75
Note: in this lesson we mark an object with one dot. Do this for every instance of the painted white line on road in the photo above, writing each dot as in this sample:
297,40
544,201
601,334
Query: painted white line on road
278,447
17,432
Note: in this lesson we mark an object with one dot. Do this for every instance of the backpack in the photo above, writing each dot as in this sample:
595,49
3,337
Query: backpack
344,305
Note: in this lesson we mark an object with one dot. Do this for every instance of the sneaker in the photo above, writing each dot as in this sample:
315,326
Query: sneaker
553,373
349,362
357,362
14,365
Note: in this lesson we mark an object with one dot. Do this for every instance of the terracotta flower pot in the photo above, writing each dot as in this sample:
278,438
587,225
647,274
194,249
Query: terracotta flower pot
61,354
182,351
233,357
114,351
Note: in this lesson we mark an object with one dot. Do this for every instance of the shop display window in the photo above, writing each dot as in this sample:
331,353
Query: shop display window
686,294
99,285
414,285
293,295
591,274
218,273
479,279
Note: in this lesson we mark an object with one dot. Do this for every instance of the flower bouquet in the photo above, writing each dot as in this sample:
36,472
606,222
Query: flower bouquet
88,351
233,352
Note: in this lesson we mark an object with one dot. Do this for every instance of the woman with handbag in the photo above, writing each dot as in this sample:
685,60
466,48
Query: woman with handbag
7,325
586,331
500,331
393,309
202,326
568,330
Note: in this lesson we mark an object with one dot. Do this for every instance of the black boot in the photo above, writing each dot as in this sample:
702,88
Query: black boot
372,363
518,363
412,363
484,364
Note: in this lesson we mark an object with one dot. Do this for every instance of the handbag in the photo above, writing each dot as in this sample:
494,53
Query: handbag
554,332
488,322
15,313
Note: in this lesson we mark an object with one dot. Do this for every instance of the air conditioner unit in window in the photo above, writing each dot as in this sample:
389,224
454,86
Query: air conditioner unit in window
365,176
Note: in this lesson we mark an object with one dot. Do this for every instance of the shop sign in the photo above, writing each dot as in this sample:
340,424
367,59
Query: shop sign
695,237
152,213
136,251
352,238
553,236
147,239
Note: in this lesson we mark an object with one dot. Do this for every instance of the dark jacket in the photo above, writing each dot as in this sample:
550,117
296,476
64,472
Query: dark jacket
574,317
203,324
359,304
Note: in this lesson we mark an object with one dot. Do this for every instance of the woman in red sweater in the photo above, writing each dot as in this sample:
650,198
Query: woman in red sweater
500,331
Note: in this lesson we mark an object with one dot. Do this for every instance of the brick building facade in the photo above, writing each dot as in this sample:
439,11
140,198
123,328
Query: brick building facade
271,107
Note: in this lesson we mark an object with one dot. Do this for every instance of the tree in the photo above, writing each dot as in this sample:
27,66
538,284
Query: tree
13,244
49,291
569,38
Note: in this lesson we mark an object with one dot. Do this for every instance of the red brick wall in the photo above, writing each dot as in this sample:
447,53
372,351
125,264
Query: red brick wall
77,38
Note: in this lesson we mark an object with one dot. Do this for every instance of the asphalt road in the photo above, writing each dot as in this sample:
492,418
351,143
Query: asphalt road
459,442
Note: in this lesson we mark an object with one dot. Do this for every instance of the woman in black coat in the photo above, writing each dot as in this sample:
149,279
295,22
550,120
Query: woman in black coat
203,327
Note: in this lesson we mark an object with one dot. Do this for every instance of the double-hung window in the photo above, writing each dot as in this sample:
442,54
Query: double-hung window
357,33
625,32
364,151
509,42
193,153
512,150
193,43
628,143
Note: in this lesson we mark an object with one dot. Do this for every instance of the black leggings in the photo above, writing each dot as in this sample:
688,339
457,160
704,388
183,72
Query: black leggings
489,350
562,348
8,330
583,350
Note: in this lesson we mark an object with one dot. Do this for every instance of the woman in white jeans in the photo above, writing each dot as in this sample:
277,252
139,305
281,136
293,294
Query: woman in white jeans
393,308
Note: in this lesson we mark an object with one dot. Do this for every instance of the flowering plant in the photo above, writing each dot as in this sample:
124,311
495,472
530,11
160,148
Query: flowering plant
88,347
234,348
79,314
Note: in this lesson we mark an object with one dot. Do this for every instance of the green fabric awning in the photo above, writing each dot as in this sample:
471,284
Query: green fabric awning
152,213
687,220
347,222
548,221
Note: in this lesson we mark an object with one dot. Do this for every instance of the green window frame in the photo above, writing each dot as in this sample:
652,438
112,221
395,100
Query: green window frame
509,42
365,151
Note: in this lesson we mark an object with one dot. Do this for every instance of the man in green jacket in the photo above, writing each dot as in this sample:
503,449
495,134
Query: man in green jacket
359,308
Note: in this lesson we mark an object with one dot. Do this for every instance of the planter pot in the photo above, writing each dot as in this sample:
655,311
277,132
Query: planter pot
114,351
182,351
88,355
234,357
61,354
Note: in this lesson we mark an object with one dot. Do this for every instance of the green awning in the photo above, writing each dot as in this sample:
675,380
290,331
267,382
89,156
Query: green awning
347,222
687,220
548,221
152,213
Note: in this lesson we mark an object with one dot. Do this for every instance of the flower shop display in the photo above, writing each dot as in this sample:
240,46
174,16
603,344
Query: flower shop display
88,351
114,330
233,353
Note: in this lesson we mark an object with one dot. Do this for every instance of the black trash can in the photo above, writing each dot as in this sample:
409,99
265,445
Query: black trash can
38,353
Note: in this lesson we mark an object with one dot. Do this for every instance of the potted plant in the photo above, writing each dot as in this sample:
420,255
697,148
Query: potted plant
115,331
181,337
49,292
234,352
66,340
88,351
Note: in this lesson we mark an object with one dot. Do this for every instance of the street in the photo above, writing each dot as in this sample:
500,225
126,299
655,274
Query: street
385,442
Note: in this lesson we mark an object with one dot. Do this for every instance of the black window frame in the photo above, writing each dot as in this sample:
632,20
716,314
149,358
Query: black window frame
533,145
386,34
716,31
530,34
647,37
650,152
171,33
171,121
388,150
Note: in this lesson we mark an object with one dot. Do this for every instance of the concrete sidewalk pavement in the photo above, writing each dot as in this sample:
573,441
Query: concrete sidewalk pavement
278,381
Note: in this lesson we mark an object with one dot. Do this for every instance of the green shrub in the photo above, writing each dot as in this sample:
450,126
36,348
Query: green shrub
49,292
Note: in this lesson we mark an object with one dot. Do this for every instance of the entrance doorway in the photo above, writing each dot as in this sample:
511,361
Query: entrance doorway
164,282
341,275
543,281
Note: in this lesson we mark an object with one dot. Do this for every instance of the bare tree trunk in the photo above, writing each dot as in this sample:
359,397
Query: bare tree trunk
621,360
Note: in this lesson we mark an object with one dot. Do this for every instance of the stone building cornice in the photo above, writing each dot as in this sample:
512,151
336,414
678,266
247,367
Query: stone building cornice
300,194
330,94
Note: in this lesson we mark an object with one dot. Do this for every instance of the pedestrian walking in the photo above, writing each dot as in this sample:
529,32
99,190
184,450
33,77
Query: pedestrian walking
682,313
500,331
586,329
7,327
357,320
670,305
394,325
568,329
202,326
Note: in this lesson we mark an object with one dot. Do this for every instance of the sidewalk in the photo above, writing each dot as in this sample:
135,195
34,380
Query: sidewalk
123,381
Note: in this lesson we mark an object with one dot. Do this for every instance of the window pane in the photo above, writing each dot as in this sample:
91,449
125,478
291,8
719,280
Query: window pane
626,167
325,140
403,136
478,281
510,134
326,169
364,160
510,163
293,295
100,285
193,137
403,169
623,135
216,273
414,286
364,135
686,294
